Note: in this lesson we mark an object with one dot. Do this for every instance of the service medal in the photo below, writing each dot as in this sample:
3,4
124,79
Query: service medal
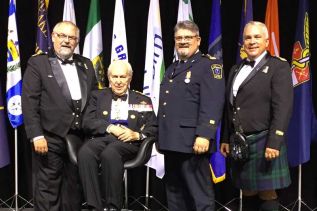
188,76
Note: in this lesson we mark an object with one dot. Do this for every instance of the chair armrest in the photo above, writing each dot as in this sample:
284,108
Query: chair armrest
143,155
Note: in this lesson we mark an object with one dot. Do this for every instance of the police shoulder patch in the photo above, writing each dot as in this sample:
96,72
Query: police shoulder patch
216,70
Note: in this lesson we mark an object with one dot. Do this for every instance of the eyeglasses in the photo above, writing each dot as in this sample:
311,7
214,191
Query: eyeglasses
64,37
186,38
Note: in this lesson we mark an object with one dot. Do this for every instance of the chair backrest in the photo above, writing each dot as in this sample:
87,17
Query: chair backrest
143,155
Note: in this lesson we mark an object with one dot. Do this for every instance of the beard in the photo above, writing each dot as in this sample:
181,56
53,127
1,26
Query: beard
65,53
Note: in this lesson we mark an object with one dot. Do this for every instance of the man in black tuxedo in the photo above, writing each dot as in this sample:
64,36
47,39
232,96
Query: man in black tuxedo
118,120
56,88
259,98
191,102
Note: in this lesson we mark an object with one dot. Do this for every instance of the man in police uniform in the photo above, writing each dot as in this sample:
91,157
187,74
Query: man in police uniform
118,119
191,104
259,102
56,88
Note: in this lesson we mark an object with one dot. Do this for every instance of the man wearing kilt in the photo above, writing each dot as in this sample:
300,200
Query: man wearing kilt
259,97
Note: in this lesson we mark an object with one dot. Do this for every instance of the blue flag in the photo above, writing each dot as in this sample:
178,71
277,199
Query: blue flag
246,16
217,160
300,128
4,149
14,78
43,39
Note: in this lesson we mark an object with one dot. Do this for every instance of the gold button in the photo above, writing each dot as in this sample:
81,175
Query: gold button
171,80
73,114
132,116
238,108
164,103
167,91
105,113
76,123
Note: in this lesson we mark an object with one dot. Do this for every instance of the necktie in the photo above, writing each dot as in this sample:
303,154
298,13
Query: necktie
251,63
122,97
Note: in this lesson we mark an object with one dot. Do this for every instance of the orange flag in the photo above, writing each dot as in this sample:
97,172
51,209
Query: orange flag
272,23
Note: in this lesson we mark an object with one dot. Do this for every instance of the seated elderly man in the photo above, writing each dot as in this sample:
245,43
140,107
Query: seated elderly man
117,120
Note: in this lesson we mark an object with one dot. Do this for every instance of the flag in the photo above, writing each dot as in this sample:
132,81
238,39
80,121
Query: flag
4,149
14,78
184,13
153,73
217,160
69,15
300,128
246,16
43,40
119,49
272,24
93,48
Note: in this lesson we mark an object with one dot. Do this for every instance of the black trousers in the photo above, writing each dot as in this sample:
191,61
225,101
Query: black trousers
188,182
54,178
109,154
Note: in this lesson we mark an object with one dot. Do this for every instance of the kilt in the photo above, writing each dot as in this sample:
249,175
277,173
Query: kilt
258,174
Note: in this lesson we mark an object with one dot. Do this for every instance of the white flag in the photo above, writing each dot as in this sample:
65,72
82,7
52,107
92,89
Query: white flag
119,49
184,13
153,73
93,42
69,15
14,78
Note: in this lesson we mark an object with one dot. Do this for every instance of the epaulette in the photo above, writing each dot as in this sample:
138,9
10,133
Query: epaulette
209,57
139,92
281,58
39,53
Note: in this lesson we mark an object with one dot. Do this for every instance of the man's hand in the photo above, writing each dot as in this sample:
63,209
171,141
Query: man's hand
128,135
116,130
224,149
40,146
201,145
271,154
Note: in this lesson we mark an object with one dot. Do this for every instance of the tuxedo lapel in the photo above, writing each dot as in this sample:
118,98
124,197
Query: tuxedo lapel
231,80
263,61
82,75
61,80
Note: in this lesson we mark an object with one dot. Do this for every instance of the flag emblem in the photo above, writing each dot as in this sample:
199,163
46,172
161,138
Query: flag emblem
300,66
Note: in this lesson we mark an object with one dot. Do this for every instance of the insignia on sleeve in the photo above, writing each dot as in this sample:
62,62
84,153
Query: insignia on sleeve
216,70
279,133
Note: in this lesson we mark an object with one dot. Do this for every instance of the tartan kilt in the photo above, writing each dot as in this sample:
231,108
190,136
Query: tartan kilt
258,174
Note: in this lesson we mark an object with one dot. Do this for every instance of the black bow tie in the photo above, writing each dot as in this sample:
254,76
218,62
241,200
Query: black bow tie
66,61
251,63
122,97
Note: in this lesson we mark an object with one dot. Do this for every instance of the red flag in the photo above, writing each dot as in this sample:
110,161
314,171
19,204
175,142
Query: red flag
272,23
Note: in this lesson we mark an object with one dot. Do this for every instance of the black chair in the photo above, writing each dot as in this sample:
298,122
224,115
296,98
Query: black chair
142,158
73,143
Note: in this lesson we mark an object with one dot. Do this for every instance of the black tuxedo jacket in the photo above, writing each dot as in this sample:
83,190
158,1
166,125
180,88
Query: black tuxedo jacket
141,116
46,100
263,102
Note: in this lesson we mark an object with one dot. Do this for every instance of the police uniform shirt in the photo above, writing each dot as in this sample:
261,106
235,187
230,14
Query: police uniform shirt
120,109
70,73
244,73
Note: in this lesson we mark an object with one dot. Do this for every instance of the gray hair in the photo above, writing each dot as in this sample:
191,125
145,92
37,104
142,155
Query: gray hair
59,24
261,25
120,62
189,25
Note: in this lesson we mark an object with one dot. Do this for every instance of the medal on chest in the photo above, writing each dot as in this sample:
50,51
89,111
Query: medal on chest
188,76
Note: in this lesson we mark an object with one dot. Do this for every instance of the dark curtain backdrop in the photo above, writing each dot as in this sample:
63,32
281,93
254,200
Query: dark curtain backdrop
136,12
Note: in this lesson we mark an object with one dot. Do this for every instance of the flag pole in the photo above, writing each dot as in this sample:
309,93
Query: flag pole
16,168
